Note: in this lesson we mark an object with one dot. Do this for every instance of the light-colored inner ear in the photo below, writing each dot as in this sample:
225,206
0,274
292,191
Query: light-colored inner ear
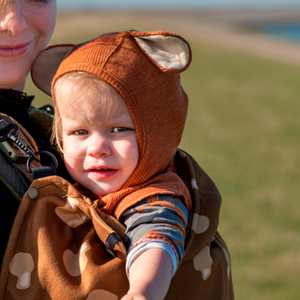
168,51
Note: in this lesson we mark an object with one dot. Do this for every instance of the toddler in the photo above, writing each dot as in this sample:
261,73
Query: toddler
120,112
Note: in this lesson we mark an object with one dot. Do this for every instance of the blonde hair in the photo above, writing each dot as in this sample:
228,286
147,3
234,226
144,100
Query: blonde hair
80,83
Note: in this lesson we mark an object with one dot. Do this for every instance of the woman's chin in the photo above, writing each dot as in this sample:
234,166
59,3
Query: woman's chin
13,81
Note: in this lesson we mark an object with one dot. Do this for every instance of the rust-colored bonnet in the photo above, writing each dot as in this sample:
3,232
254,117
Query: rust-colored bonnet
144,68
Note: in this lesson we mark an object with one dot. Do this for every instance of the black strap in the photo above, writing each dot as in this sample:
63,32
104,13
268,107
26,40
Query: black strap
110,243
43,172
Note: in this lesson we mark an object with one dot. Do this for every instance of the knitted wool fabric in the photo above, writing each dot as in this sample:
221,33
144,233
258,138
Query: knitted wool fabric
143,69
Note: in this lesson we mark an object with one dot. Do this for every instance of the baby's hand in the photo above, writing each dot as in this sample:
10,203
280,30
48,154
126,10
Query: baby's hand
134,296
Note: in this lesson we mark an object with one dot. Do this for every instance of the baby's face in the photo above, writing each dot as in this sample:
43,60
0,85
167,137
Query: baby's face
99,141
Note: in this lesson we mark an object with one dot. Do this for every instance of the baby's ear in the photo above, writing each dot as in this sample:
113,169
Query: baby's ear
170,52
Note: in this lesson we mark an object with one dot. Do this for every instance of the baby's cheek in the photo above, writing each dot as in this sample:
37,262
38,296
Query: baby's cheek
129,150
73,150
72,161
74,167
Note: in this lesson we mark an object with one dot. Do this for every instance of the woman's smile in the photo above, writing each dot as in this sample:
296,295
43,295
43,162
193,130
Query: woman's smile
13,50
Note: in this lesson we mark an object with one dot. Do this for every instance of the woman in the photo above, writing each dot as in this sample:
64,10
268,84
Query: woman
26,27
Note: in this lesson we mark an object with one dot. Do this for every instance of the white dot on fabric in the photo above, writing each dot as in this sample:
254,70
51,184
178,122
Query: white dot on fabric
206,272
228,262
194,184
70,213
203,262
24,279
76,263
200,223
21,266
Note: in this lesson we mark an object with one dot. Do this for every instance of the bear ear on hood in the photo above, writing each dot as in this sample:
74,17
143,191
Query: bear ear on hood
171,53
46,64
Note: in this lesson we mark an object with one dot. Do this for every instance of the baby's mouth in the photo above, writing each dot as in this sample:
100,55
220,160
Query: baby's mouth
102,173
101,170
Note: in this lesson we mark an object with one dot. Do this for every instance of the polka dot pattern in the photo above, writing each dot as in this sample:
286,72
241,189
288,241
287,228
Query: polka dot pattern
200,223
76,263
70,213
228,262
21,266
203,262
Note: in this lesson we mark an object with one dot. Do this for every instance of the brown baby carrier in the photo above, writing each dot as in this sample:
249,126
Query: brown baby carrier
63,247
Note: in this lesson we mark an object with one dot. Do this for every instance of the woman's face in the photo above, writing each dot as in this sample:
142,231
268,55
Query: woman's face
26,27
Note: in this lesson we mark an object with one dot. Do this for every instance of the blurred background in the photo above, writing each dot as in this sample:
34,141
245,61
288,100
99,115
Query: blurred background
243,122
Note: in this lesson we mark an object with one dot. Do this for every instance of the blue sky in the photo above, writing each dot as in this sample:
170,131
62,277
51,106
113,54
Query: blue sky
129,4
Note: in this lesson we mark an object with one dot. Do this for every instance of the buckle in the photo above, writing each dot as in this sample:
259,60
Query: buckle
8,143
44,170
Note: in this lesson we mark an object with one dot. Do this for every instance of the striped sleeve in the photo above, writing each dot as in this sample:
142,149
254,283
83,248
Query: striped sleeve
159,219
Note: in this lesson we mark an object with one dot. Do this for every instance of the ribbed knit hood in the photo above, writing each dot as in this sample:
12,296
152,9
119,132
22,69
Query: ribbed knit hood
144,68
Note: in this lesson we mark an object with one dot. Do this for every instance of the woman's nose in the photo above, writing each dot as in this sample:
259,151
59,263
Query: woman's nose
12,19
99,146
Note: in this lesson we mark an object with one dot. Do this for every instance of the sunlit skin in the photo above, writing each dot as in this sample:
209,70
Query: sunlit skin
100,147
150,276
26,27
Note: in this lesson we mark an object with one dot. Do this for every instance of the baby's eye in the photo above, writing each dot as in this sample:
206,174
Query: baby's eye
120,129
80,132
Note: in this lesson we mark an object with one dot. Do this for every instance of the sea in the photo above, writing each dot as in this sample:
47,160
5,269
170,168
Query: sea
284,30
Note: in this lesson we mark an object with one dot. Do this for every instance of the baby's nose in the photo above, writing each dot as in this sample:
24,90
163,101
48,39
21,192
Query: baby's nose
99,146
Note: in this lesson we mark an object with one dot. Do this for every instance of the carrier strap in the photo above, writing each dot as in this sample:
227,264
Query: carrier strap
19,157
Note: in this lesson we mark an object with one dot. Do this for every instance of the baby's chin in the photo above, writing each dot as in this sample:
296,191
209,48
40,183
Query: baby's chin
103,191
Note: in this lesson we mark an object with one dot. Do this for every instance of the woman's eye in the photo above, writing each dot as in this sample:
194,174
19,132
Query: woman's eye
80,132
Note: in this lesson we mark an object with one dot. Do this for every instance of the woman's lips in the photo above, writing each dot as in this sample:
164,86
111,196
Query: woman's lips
13,50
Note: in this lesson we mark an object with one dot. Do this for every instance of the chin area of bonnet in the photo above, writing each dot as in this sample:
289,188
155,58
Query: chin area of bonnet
144,68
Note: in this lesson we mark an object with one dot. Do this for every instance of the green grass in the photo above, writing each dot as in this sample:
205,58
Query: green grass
243,129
